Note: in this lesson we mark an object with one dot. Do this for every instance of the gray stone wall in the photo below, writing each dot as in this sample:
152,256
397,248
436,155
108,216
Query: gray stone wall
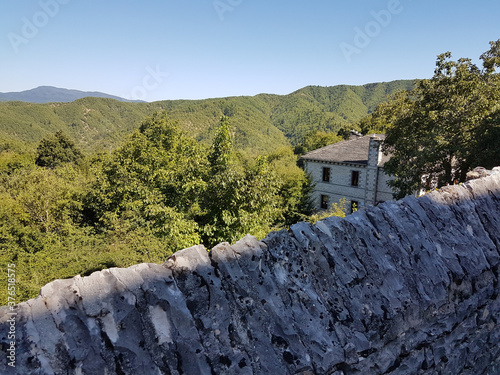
408,287
340,182
384,192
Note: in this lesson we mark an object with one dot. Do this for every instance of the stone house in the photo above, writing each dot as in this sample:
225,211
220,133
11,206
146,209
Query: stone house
352,169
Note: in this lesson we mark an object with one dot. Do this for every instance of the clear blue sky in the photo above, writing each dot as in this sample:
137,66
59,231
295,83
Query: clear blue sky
193,49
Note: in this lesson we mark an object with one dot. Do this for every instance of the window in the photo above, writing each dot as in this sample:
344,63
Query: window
354,206
354,178
326,174
324,202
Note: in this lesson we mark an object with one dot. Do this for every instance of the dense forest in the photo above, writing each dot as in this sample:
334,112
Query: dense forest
64,213
98,183
261,122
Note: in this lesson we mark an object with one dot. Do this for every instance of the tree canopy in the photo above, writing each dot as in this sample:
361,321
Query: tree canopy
159,192
57,149
153,181
444,127
186,193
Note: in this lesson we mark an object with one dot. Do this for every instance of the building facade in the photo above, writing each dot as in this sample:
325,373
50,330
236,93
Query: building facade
352,169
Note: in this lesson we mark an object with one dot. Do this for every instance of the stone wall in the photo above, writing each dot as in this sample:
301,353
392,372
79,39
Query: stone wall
340,182
408,287
384,191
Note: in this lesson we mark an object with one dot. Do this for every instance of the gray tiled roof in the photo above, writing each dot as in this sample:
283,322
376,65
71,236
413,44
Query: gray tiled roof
354,151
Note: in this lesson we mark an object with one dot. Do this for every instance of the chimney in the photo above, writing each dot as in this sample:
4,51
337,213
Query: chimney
354,134
374,152
374,158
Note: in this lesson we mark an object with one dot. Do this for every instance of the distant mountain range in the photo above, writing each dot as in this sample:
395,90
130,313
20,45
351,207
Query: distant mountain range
261,123
49,94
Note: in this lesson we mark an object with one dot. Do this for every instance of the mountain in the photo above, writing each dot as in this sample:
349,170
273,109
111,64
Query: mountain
330,108
49,94
261,123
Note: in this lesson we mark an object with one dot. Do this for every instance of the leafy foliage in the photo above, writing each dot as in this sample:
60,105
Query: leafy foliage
153,182
330,109
184,192
296,187
338,209
240,198
445,126
56,150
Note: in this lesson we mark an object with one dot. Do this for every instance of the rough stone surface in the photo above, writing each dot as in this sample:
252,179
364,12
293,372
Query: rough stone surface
408,287
480,172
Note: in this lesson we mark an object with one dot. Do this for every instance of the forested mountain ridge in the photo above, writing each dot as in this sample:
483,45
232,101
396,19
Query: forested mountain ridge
330,108
261,123
50,94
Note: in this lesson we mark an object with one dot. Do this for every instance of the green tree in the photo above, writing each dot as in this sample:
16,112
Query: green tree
56,150
240,199
295,186
40,225
487,136
221,152
436,132
11,161
152,182
49,200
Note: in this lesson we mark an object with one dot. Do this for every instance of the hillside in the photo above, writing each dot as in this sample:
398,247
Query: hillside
49,94
330,108
262,122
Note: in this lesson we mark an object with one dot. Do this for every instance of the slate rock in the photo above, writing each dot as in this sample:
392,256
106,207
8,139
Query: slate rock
408,287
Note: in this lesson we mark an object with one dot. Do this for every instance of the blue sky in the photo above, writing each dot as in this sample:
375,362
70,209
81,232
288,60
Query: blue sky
194,49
